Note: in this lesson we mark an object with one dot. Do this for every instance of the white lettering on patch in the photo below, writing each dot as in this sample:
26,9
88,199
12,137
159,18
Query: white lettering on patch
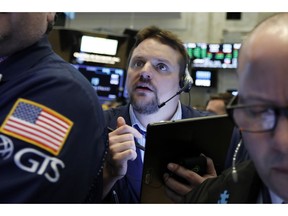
38,164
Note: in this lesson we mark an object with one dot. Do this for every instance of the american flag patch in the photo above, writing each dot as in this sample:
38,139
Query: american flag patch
37,124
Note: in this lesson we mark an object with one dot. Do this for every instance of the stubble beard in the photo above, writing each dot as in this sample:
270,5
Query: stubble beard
144,107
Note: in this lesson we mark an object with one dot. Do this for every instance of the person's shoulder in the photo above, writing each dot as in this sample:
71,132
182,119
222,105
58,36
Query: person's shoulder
224,189
117,110
112,114
190,112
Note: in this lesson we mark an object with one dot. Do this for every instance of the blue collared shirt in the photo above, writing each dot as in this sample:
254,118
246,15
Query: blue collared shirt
275,198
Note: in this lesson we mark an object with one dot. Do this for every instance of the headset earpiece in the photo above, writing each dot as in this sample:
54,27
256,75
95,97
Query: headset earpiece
185,84
186,81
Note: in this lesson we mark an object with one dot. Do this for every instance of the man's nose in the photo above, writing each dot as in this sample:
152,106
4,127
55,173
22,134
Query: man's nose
147,71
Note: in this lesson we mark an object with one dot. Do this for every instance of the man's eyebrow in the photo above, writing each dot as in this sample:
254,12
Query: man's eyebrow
140,57
163,60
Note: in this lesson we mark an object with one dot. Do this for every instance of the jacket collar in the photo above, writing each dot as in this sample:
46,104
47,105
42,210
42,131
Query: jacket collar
18,63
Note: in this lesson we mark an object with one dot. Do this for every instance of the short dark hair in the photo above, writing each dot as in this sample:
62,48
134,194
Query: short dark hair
166,37
225,96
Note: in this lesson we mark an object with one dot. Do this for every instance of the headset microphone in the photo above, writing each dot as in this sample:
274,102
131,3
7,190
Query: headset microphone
186,84
162,104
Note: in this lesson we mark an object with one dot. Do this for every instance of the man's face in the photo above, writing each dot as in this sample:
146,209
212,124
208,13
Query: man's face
19,30
153,76
263,75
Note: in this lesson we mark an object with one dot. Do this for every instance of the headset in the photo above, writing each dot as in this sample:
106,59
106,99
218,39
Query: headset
185,84
186,81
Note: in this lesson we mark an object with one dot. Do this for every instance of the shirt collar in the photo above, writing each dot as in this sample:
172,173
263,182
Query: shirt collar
177,115
134,119
275,198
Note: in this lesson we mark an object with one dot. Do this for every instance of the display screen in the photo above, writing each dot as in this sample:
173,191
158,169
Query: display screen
204,78
107,81
205,55
89,48
100,45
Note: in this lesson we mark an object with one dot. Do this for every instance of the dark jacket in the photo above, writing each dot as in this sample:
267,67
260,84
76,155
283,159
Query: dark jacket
128,188
35,166
224,190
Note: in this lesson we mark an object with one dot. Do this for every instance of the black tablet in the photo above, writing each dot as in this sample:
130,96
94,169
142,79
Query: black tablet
180,140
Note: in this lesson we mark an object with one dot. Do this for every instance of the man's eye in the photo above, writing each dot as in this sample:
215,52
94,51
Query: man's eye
138,64
162,67
259,111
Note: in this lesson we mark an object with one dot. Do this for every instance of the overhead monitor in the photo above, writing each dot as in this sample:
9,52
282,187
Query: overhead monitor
213,55
204,78
107,81
98,45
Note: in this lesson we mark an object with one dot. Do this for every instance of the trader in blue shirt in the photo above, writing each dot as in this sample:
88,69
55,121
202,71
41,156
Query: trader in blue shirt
157,74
